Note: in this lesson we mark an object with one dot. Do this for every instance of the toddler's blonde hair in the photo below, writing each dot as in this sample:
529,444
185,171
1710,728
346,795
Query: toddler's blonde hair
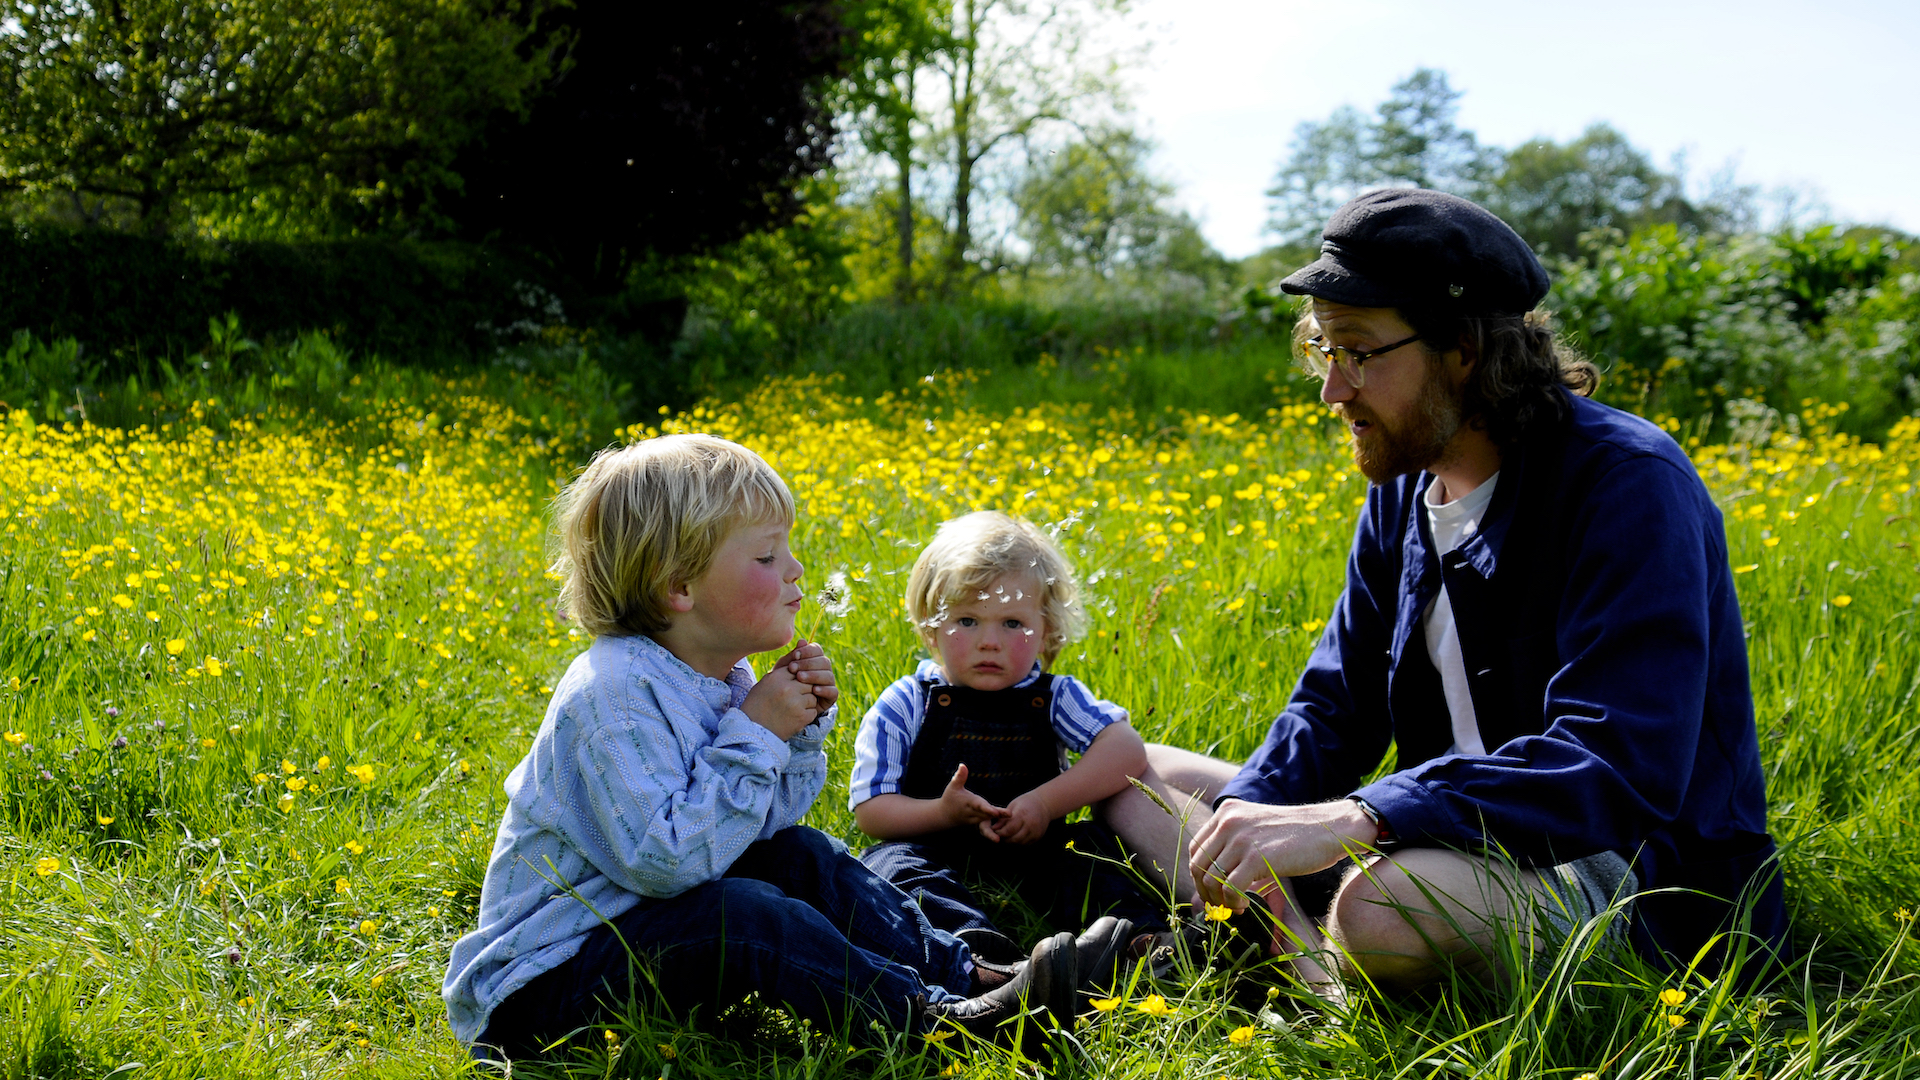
969,553
642,518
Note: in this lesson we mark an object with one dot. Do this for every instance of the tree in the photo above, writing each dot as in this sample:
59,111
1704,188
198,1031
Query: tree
668,130
1553,193
1092,205
894,41
1413,141
356,105
1009,67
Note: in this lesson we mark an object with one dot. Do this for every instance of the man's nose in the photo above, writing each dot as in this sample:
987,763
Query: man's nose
1335,387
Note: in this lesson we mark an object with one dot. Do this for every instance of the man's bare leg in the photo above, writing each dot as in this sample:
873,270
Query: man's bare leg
1188,782
1407,918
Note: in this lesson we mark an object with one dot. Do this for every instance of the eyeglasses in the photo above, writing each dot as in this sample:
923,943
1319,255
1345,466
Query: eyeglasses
1320,358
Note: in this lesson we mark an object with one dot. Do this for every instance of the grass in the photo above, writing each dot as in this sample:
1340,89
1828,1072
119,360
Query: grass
263,669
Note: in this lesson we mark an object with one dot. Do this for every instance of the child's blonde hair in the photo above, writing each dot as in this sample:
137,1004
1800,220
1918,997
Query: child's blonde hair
969,553
640,519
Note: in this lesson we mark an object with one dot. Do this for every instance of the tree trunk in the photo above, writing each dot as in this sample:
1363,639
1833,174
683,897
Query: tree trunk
903,160
963,156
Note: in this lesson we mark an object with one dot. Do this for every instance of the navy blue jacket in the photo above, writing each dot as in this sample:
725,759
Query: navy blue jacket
1608,667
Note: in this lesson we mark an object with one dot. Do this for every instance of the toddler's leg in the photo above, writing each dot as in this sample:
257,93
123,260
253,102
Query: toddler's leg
1090,881
812,867
921,872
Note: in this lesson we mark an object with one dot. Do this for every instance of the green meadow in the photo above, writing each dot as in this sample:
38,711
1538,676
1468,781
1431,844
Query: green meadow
265,662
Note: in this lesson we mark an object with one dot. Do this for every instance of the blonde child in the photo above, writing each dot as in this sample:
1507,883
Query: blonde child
655,816
960,767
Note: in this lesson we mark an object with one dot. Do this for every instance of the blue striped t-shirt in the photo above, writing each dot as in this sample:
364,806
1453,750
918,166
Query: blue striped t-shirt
890,726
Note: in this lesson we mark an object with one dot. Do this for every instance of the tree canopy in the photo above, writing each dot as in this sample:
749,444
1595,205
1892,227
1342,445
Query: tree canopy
665,130
144,111
1551,193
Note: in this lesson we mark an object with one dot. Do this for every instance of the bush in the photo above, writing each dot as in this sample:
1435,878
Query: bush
128,296
1682,324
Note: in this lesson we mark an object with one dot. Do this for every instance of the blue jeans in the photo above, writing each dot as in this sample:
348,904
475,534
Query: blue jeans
796,918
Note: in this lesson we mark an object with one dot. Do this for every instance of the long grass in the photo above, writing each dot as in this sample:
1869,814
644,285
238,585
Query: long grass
262,674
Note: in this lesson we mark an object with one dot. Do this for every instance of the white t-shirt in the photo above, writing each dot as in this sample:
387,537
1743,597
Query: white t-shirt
1452,523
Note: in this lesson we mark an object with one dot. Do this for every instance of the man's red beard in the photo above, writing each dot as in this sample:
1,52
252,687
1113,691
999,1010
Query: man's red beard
1418,442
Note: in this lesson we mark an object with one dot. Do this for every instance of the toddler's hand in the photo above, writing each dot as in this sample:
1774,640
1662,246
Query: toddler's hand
781,703
810,664
1026,820
963,807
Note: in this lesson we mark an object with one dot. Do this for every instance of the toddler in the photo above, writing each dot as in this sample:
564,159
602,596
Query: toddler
961,768
653,822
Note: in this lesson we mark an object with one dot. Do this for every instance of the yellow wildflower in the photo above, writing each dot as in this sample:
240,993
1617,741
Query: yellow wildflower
362,773
46,865
104,820
285,802
1842,600
214,670
1241,1036
356,846
367,927
296,783
1105,1004
342,886
176,646
1673,998
666,1050
15,737
1154,1005
1219,913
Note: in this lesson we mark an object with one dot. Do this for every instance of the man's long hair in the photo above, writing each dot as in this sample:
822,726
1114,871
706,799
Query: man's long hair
1522,365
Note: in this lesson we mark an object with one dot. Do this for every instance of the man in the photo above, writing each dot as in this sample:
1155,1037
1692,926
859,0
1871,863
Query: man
1538,615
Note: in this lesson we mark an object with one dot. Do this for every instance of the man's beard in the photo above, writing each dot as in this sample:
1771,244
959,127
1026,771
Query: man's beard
1420,442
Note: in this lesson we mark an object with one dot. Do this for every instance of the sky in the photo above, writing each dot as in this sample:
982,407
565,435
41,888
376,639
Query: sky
1820,99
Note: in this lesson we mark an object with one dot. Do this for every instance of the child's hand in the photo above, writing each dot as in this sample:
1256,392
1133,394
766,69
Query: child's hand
809,663
1025,821
963,807
781,703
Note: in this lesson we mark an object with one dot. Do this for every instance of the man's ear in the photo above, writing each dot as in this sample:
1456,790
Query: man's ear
1469,352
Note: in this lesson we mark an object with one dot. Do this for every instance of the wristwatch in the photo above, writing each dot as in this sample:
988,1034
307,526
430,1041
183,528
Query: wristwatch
1386,841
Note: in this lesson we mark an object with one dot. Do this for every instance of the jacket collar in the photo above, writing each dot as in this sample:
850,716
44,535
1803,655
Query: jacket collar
1481,551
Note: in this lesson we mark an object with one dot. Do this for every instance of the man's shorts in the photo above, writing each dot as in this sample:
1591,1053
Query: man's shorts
1584,888
1578,891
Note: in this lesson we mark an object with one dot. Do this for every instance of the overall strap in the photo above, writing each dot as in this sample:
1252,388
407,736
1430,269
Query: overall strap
1004,737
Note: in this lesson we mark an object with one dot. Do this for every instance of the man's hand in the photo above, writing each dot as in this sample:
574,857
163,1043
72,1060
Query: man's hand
1025,821
809,663
1245,848
963,807
782,703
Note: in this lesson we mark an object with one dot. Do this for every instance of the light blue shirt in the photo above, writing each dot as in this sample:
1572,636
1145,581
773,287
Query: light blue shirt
645,780
890,726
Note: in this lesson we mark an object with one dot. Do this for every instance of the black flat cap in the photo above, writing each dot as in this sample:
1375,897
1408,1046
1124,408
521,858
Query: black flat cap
1409,247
